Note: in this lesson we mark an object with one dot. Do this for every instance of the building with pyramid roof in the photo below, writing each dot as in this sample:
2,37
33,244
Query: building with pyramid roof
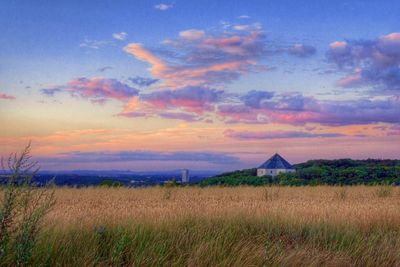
274,166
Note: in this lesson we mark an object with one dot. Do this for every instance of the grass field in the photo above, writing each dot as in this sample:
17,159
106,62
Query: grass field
241,226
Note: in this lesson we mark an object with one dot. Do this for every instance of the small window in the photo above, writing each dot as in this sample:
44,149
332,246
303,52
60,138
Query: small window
270,171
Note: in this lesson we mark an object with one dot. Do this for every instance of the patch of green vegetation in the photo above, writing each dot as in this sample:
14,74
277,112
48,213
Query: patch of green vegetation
110,183
319,172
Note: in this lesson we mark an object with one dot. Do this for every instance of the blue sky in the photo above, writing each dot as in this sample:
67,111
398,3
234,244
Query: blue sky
50,31
44,33
70,66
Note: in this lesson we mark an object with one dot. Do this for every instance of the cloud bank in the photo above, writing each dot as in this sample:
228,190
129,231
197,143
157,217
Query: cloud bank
371,63
196,58
294,108
130,156
251,135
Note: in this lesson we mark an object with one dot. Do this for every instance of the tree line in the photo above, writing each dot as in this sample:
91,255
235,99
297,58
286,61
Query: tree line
318,172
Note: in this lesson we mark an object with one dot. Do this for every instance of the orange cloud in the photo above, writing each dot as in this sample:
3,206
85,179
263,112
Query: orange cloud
141,53
132,105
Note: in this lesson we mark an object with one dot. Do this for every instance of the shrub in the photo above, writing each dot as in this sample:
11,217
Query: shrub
23,208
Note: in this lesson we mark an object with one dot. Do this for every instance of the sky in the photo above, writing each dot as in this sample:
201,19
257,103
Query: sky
205,85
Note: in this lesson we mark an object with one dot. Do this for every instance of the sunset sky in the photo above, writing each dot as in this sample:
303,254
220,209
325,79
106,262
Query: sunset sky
206,85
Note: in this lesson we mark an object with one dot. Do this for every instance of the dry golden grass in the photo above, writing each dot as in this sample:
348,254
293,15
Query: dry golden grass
363,206
241,226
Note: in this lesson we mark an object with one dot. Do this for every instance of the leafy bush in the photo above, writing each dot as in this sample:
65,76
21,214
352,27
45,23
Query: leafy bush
23,207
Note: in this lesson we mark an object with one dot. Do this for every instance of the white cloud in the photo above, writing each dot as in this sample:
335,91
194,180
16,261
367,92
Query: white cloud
242,27
244,17
163,6
225,24
248,27
93,44
120,36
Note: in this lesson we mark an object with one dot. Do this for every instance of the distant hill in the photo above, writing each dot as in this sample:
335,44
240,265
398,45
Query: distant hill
319,172
128,178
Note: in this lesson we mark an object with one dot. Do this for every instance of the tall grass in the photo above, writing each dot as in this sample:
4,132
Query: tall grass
243,226
236,241
22,209
91,206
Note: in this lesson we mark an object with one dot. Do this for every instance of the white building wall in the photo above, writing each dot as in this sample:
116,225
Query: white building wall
261,172
272,172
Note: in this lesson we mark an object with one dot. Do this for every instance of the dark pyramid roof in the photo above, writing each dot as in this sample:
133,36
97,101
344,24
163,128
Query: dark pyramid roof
276,162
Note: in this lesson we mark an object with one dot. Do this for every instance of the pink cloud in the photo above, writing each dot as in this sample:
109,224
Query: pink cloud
237,113
199,59
352,80
189,103
392,37
97,90
7,97
293,118
393,130
338,45
191,99
192,34
235,44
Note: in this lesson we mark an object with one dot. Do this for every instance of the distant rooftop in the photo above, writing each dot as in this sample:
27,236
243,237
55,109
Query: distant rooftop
276,162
